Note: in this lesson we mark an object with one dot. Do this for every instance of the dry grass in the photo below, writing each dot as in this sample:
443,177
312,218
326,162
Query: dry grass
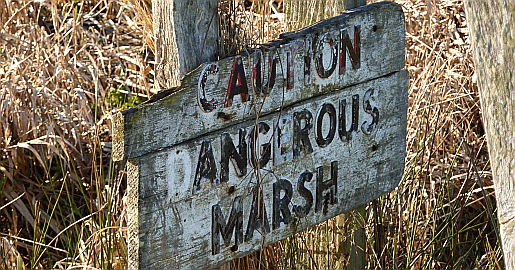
246,24
443,214
65,66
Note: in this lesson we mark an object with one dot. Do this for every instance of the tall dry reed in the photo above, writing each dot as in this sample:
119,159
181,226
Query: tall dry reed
64,66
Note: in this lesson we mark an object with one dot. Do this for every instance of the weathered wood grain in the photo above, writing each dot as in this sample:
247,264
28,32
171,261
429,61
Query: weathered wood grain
301,13
186,35
175,218
492,31
133,213
354,3
178,117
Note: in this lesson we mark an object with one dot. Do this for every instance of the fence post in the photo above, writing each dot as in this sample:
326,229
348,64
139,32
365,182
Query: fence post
349,4
491,31
356,243
186,35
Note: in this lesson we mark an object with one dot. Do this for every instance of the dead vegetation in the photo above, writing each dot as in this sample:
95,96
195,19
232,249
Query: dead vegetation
65,66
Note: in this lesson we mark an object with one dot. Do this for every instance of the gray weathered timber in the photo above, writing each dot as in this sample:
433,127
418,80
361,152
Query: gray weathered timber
492,30
185,31
301,13
179,116
133,212
178,216
354,3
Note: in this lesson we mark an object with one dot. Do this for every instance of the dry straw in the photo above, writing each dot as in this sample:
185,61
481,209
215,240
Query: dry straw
64,66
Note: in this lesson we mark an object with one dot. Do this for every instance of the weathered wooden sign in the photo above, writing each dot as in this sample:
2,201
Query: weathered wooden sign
255,148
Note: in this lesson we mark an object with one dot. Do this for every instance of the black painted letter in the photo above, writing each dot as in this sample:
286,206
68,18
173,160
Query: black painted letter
205,104
365,127
303,211
319,56
257,218
280,205
226,229
354,51
229,152
283,140
346,135
331,112
322,186
206,168
237,83
301,134
265,149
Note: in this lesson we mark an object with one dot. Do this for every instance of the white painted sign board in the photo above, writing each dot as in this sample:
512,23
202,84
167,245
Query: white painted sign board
255,148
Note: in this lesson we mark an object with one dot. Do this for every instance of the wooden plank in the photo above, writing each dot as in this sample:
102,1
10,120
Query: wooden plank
186,35
185,200
354,3
302,13
187,113
491,31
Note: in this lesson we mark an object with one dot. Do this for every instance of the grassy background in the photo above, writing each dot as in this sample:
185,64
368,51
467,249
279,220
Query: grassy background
65,67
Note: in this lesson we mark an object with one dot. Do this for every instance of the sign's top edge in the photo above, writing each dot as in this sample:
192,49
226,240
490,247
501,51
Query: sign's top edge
284,38
140,129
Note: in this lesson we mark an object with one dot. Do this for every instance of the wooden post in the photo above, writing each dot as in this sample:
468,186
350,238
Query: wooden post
350,4
491,26
186,35
357,247
356,238
302,13
358,243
